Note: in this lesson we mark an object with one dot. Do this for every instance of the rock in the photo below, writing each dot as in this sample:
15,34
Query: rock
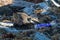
43,5
28,10
5,10
40,36
22,3
34,1
5,2
16,8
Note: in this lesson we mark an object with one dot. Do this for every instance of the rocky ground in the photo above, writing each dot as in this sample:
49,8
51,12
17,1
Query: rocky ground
14,14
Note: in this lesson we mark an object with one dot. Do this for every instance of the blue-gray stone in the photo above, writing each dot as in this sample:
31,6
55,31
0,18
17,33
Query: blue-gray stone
43,5
28,10
40,36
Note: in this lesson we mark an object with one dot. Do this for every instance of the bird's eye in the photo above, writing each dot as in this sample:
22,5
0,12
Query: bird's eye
29,19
